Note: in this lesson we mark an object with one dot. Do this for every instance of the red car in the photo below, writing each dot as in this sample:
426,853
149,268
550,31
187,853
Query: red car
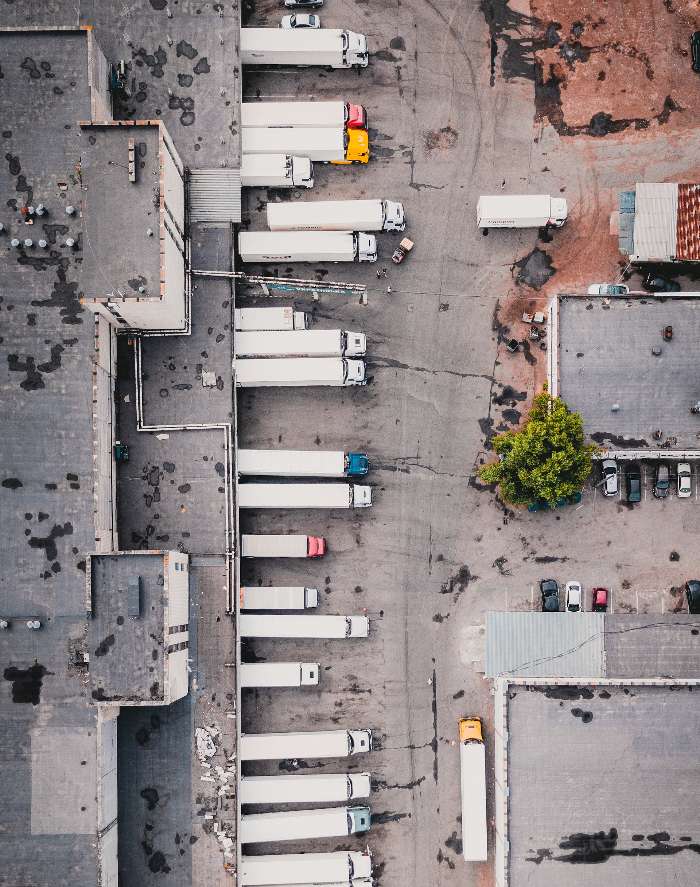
600,600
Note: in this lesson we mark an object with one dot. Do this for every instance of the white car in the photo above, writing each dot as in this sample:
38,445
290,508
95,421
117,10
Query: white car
608,289
685,484
609,477
300,20
574,597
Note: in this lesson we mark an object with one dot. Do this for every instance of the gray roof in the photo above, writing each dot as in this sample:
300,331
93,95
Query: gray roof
592,645
544,644
118,213
656,207
127,655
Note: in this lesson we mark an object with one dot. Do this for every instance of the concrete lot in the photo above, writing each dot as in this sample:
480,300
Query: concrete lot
605,358
437,550
612,801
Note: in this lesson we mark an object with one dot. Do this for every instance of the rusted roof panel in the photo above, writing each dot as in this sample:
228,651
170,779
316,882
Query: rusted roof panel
688,223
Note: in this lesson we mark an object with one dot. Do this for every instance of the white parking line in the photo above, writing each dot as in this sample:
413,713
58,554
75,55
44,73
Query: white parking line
532,596
663,603
636,594
610,599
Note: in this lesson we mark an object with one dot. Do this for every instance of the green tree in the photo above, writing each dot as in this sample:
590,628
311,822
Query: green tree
547,459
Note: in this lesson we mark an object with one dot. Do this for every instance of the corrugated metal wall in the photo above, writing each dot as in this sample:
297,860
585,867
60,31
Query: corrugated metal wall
215,195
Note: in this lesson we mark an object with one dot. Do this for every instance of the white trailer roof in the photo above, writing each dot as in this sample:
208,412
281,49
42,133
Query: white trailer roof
320,463
351,215
330,246
276,114
288,369
304,789
283,495
293,626
473,790
291,343
318,143
304,868
280,746
294,825
294,39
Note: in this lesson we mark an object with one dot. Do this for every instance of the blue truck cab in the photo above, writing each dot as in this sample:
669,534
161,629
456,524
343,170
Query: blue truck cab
356,464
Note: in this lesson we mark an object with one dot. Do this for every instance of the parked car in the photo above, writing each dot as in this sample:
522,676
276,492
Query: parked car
574,597
599,602
662,480
609,477
692,594
695,50
303,4
608,289
549,591
300,20
685,480
633,479
660,284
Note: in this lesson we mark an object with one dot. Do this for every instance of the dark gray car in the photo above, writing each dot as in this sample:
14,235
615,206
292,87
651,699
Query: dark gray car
662,481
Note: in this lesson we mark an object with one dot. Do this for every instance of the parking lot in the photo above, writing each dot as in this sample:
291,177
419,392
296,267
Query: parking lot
437,550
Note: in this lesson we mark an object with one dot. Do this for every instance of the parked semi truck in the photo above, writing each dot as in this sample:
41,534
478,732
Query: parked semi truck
286,318
263,495
310,745
300,343
296,825
275,545
336,215
301,463
473,786
279,674
307,246
306,114
330,47
305,789
346,867
294,626
278,597
520,211
271,372
321,145
276,171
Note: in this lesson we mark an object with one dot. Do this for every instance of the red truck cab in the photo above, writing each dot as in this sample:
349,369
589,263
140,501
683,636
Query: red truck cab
355,116
315,546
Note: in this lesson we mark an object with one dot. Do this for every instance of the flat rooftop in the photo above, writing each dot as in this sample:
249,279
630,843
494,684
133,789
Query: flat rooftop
127,657
120,217
603,784
605,358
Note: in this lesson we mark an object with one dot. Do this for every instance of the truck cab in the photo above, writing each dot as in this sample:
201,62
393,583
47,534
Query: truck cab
394,216
558,211
315,546
470,730
355,116
356,147
355,49
358,820
361,496
356,464
354,344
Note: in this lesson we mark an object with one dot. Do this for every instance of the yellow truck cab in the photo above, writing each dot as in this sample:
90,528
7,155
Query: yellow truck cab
470,730
356,147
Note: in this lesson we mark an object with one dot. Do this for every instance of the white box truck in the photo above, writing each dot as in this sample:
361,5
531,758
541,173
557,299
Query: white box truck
293,626
282,545
473,788
520,211
254,495
311,789
336,215
271,372
346,867
297,825
329,47
307,246
301,463
270,319
311,745
300,343
279,674
323,145
336,114
276,171
278,597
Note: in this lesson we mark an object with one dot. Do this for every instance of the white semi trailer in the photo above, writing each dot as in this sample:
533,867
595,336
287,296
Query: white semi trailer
300,343
336,215
348,868
329,47
307,246
304,789
276,171
282,545
307,746
279,674
246,319
301,463
266,372
472,757
279,597
520,211
297,825
321,495
335,114
322,145
295,626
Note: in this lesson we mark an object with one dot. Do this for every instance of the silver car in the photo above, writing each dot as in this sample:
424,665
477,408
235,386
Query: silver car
685,484
608,289
609,477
